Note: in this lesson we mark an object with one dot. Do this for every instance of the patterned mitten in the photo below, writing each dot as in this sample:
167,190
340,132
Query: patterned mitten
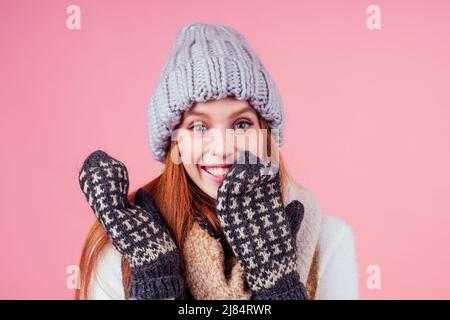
205,268
141,236
260,230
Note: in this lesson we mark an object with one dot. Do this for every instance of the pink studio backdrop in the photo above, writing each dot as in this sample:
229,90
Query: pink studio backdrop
368,123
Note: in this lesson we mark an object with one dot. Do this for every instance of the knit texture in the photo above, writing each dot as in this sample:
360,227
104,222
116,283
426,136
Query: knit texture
139,234
252,215
308,234
210,62
108,281
203,250
205,269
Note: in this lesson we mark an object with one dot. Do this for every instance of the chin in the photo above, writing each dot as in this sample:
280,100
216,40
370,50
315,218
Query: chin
209,188
211,178
207,178
212,193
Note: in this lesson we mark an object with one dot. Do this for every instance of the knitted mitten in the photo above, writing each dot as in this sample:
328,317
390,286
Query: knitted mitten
205,268
141,236
260,230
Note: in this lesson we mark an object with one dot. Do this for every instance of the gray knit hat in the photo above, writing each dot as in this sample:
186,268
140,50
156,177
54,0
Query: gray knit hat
210,62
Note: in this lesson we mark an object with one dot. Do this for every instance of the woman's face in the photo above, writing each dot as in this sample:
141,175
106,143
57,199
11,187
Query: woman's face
209,137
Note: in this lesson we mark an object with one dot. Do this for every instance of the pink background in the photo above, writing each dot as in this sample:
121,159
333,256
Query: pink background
368,123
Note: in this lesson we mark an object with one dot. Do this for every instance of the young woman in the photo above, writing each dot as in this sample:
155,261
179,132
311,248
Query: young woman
223,220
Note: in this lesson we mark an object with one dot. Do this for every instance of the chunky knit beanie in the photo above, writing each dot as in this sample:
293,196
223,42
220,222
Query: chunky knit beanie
210,62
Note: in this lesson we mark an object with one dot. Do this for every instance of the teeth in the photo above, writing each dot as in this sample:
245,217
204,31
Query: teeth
219,172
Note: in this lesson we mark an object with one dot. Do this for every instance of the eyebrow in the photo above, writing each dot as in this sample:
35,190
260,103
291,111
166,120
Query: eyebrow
198,113
246,109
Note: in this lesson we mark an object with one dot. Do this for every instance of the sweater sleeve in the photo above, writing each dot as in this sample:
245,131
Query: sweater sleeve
106,280
338,272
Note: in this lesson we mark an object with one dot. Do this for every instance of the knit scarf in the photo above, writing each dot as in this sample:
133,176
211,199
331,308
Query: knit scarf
205,260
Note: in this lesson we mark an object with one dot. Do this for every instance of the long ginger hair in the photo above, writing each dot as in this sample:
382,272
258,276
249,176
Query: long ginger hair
179,199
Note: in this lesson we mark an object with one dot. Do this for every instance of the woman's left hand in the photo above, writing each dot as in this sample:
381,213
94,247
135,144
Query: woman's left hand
261,231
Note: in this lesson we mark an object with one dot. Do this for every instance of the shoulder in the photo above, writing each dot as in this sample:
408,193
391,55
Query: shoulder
335,234
295,191
333,230
106,280
338,272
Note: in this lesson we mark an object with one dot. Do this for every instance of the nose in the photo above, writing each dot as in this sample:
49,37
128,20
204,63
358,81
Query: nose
220,145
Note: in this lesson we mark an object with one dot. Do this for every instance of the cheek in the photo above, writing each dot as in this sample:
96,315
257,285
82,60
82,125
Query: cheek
254,141
192,172
191,150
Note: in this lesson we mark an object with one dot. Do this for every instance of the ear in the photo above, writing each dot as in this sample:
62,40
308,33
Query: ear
295,213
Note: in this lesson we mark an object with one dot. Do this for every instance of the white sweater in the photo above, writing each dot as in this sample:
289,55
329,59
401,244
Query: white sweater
338,277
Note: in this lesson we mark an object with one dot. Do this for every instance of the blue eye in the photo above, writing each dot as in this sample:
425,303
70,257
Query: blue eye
243,124
199,127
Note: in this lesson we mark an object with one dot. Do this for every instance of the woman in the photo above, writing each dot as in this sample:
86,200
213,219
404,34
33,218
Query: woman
223,220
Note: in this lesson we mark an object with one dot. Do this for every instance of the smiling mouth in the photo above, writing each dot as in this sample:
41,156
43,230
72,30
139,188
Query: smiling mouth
218,171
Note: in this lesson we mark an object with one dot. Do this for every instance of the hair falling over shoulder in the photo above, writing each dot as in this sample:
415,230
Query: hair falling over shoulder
178,200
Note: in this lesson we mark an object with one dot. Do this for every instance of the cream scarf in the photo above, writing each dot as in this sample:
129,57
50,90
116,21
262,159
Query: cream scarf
205,257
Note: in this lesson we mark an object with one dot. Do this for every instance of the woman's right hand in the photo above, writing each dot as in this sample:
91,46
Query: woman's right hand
141,236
